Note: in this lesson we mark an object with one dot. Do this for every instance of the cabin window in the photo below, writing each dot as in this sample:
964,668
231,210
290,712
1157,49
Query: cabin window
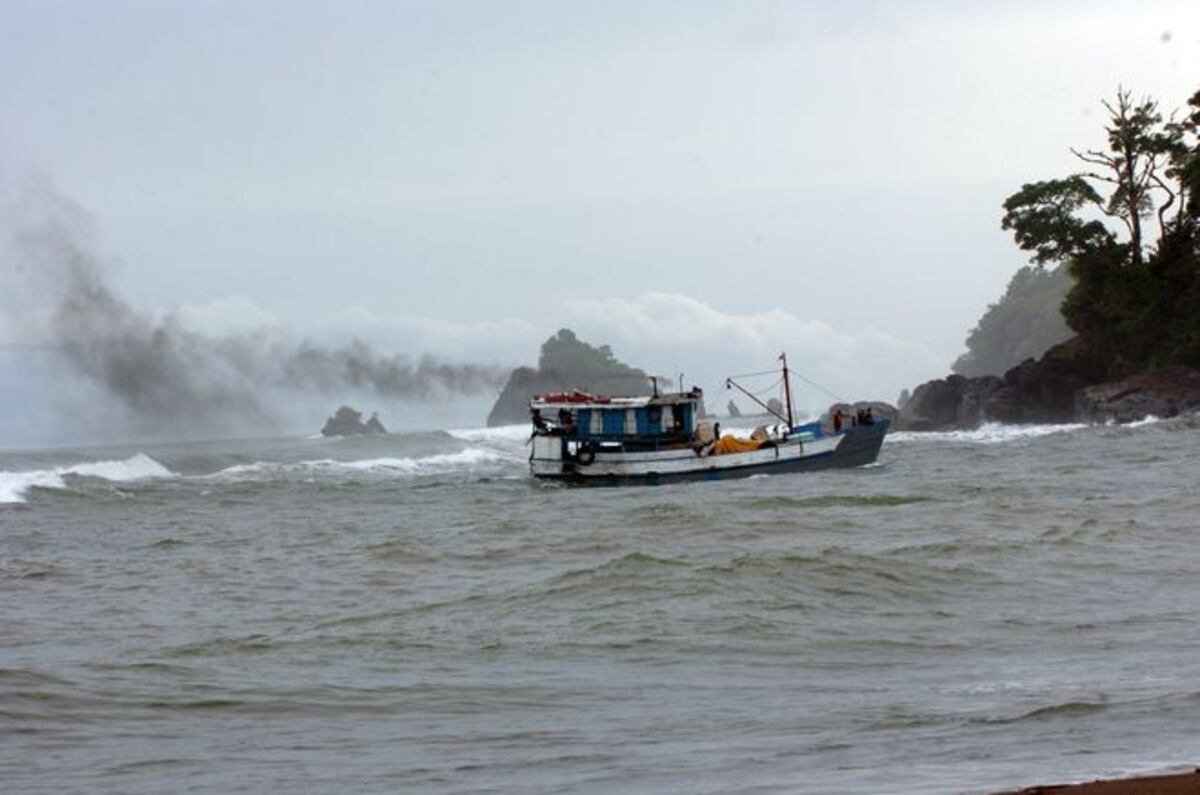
614,422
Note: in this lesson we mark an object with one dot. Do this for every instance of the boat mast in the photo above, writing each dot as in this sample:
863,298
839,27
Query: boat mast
787,391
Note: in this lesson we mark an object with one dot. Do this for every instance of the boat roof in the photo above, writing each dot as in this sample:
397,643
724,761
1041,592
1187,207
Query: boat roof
582,400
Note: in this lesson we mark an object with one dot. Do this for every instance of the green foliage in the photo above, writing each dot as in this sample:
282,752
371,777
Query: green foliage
1135,300
1023,324
1042,218
566,353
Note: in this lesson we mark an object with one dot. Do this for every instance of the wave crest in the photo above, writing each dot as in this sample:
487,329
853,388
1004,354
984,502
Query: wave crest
439,463
15,486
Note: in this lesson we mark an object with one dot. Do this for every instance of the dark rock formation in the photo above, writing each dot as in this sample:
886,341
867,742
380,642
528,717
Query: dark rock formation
1035,391
566,363
1162,394
1062,386
348,422
733,410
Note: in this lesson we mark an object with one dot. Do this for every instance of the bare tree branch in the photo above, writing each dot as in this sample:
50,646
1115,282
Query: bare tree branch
1162,211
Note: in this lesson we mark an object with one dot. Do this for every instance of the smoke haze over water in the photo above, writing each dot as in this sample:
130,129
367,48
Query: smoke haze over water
168,379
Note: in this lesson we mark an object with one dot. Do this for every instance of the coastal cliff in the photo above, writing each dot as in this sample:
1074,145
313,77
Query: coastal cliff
1060,387
566,363
1132,297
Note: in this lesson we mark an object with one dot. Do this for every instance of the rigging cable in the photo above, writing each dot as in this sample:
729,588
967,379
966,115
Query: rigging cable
812,383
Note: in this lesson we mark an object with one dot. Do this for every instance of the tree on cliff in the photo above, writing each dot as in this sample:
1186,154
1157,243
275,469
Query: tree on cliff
1023,324
565,353
566,362
1135,302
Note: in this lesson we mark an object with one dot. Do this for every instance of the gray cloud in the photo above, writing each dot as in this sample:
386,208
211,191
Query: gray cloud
167,377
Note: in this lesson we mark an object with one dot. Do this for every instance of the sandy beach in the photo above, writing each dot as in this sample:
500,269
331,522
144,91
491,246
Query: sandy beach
1177,784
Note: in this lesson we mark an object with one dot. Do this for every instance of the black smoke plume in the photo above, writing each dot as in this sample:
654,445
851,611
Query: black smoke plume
169,377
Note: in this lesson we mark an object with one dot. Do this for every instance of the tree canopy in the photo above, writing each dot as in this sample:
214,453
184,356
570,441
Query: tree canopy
566,353
1127,229
1025,322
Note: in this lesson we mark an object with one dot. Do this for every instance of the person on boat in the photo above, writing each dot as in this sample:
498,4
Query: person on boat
838,417
539,422
868,419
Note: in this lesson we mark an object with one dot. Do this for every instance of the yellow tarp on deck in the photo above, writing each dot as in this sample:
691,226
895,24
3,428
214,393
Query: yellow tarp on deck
732,444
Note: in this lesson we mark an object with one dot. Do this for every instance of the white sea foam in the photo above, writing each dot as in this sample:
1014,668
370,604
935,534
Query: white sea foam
989,433
467,459
503,433
1149,419
15,486
136,467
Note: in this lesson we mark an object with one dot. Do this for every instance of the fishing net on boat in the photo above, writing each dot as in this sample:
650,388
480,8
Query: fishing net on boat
732,444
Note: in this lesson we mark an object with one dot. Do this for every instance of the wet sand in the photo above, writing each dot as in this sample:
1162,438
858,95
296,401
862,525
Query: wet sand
1178,784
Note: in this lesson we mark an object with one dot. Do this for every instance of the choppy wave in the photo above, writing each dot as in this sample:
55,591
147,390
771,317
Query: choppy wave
503,433
15,486
880,629
1149,419
989,433
440,463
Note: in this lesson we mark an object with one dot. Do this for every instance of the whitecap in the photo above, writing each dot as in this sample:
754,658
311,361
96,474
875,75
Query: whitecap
988,433
136,467
1149,419
502,433
15,486
440,463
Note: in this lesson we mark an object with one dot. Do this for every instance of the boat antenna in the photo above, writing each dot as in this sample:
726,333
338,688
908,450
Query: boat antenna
787,391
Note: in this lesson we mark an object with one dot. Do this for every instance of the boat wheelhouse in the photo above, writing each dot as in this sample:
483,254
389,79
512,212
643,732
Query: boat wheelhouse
590,439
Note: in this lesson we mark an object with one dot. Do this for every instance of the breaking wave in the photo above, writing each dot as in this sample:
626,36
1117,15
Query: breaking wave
989,433
501,434
440,463
15,486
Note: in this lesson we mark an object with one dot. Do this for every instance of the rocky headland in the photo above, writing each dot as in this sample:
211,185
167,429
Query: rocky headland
1127,288
566,363
1061,387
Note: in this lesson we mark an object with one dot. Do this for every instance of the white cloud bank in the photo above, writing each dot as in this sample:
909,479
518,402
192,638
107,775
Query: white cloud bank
670,332
664,333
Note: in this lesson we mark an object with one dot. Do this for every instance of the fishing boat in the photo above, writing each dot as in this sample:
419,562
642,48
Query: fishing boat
587,439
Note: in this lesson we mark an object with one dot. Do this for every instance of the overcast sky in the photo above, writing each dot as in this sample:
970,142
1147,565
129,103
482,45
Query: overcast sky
698,184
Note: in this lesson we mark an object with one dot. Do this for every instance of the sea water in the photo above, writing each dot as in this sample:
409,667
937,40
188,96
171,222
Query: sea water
413,613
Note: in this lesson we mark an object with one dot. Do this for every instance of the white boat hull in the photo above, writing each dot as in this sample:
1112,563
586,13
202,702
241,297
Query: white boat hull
552,458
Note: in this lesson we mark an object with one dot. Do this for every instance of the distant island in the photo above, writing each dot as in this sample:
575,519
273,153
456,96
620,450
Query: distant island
1126,231
565,363
348,422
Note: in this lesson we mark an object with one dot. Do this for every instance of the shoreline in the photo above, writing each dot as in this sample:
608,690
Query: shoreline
1160,784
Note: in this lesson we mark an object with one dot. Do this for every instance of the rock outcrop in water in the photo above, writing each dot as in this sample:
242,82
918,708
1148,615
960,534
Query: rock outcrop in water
1060,387
566,363
1164,393
348,422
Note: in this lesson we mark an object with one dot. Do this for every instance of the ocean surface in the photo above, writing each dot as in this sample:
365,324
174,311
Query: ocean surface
412,613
